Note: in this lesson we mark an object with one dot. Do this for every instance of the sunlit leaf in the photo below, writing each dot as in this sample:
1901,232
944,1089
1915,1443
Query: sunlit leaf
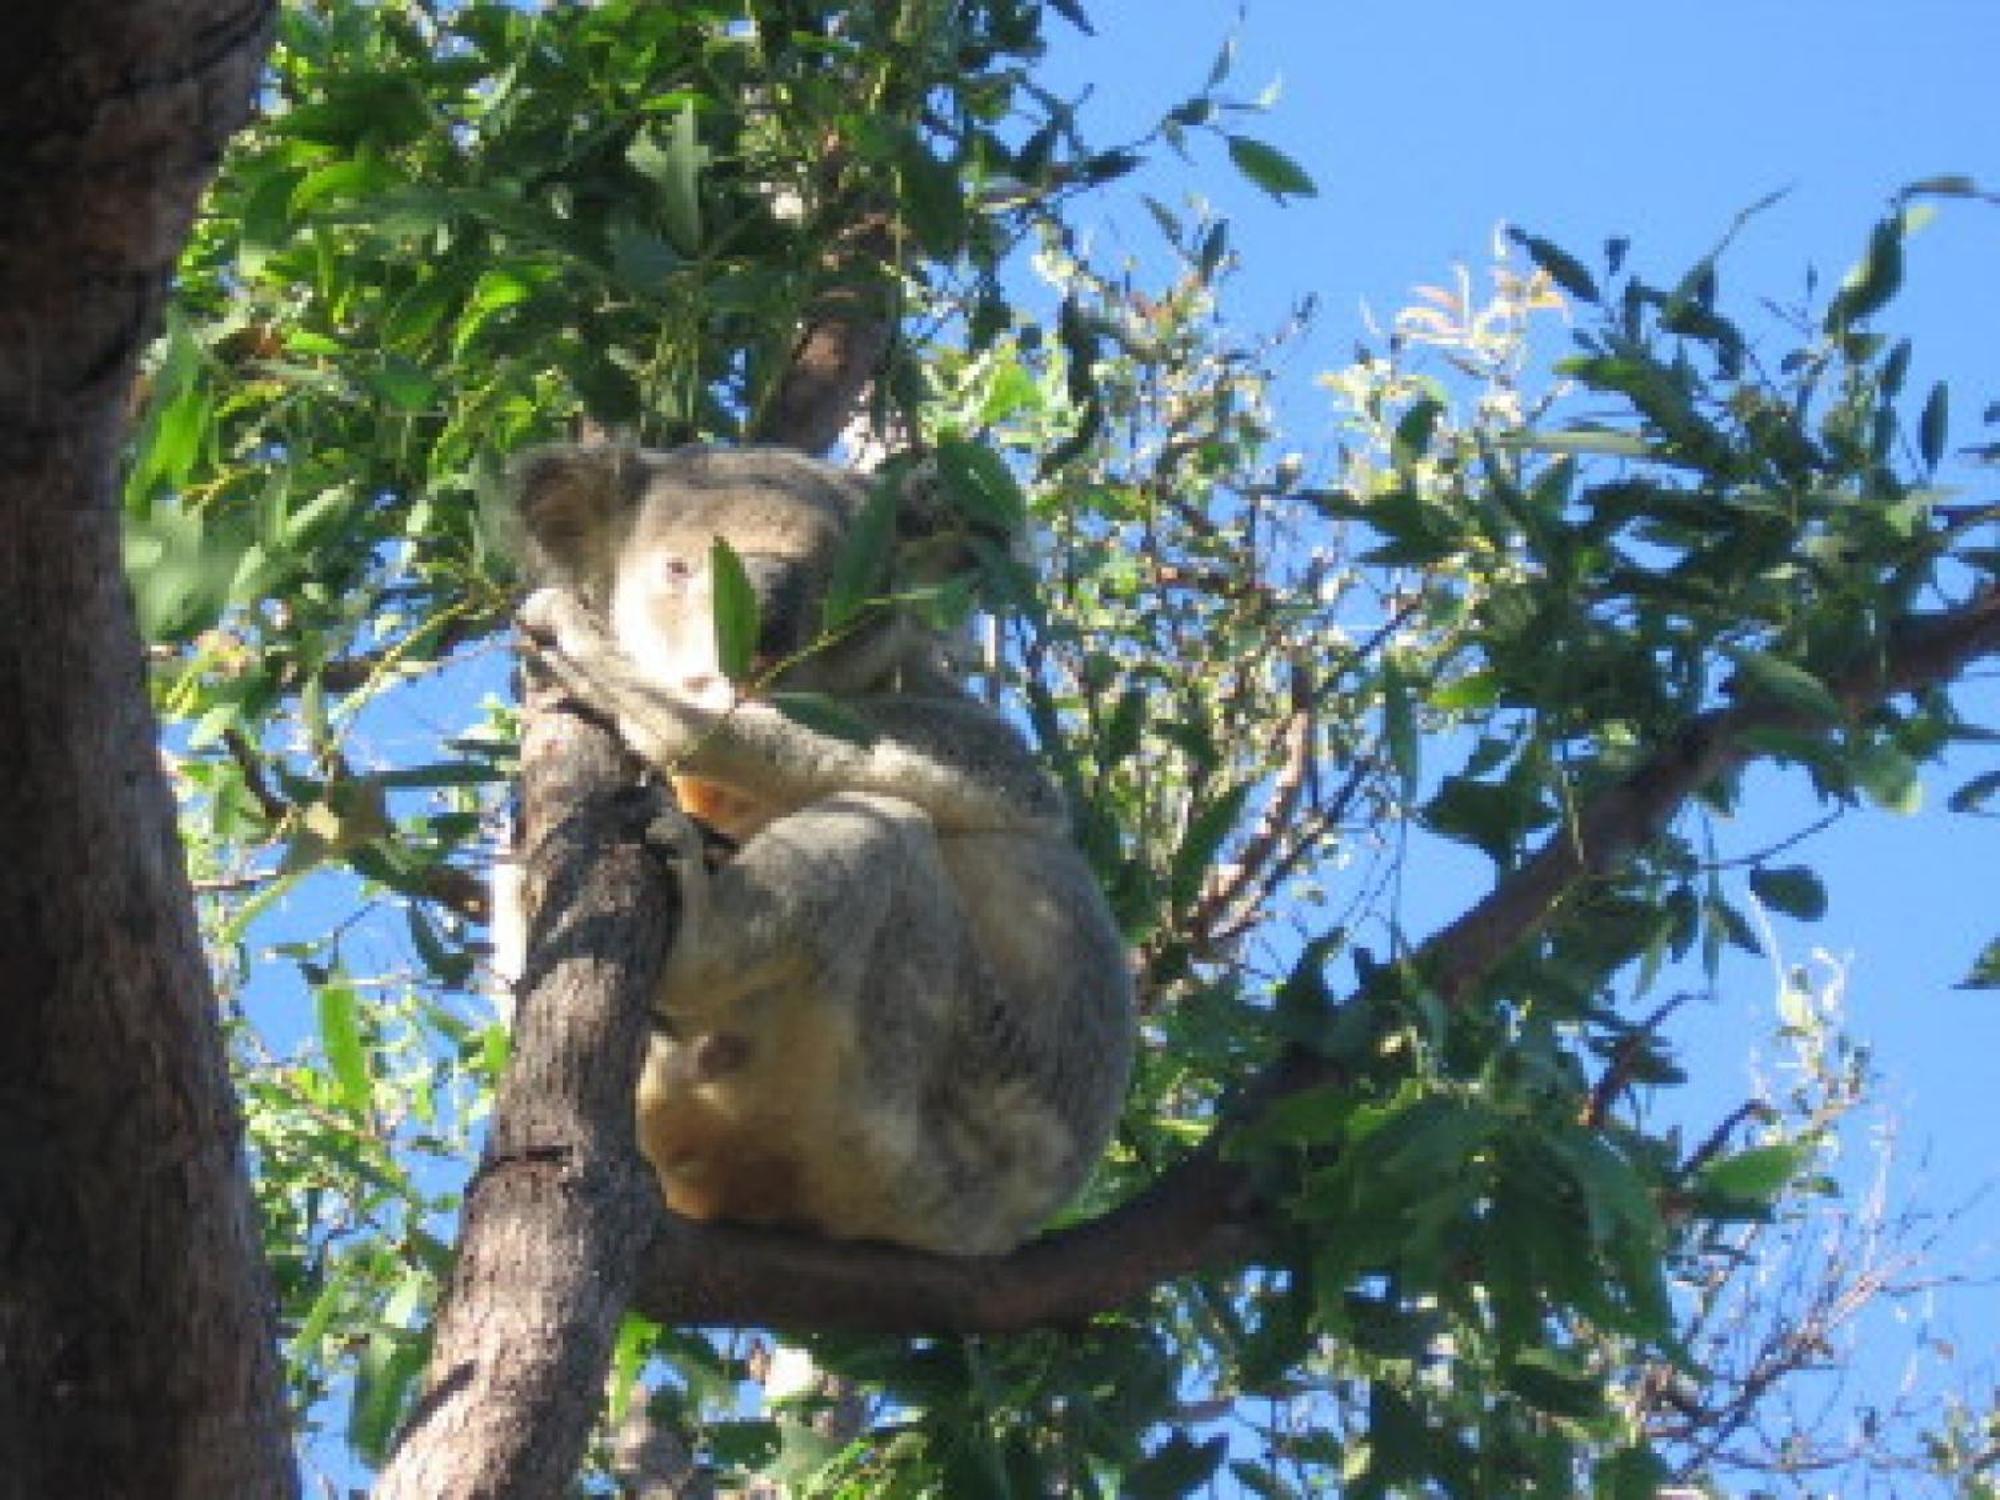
1272,170
1758,1174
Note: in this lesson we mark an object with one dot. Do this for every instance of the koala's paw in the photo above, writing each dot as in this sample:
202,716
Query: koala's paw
556,618
675,836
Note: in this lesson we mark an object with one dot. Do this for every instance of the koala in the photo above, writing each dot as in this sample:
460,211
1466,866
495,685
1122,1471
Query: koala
899,1009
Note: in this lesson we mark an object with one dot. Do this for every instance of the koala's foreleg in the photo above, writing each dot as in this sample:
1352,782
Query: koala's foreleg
658,725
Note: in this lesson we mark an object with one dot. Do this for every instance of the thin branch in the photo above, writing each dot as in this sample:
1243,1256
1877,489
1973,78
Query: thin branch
458,890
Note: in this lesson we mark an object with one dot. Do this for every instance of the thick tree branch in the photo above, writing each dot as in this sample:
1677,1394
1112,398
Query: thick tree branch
841,346
137,1337
562,1205
1204,1214
1925,651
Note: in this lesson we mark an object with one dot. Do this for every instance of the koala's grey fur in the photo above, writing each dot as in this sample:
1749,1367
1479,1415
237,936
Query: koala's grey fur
901,1010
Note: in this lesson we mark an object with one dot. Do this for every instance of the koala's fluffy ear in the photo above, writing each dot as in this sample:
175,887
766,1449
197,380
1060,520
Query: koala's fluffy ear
574,506
938,536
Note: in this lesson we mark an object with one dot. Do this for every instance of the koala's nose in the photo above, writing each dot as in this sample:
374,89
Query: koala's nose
708,690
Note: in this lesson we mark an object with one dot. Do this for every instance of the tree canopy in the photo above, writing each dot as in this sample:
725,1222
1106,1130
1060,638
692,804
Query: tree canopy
1389,1211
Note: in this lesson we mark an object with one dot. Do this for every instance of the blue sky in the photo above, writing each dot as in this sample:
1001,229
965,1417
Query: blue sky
1424,125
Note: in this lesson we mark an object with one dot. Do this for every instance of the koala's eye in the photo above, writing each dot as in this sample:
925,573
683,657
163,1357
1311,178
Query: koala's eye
671,570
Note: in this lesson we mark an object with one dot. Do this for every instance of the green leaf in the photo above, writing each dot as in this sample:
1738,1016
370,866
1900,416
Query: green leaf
452,966
860,572
1203,840
1177,1467
1933,426
1556,1383
1399,728
1413,431
1589,441
354,177
933,199
403,384
1073,13
1123,729
1630,1474
386,1376
640,259
1757,1175
1873,281
735,612
1976,793
1985,973
1272,170
1788,684
1564,269
979,484
346,1054
1792,889
828,716
674,162
1889,777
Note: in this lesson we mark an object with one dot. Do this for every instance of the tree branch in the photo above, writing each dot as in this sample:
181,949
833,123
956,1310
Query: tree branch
137,1320
562,1205
1203,1214
840,349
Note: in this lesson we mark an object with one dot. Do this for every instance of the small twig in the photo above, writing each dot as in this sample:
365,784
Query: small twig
1624,1061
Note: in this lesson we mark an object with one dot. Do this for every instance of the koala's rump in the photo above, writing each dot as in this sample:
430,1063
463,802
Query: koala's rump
765,1136
935,1061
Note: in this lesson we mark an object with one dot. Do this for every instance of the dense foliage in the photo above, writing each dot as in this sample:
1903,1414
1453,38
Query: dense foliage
1484,1264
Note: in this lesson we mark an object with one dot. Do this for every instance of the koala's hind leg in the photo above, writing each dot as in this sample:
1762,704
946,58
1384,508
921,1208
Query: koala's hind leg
806,1009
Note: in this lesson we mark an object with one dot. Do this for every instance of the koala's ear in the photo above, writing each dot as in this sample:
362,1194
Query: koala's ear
573,505
940,527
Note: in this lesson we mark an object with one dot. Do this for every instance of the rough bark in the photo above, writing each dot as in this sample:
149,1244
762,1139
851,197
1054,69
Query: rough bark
562,1205
841,347
137,1338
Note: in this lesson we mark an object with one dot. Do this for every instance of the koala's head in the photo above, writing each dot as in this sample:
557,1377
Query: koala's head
632,532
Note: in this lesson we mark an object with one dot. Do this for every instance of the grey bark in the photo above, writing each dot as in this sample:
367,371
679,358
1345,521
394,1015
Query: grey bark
562,1205
137,1337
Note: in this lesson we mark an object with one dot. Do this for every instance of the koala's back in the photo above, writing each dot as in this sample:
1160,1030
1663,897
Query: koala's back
935,1059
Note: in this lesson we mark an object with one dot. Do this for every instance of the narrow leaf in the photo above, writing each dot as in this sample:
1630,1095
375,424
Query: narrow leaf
1758,1174
980,485
1791,685
346,1054
828,716
734,606
1985,973
1205,834
1564,269
1933,426
861,570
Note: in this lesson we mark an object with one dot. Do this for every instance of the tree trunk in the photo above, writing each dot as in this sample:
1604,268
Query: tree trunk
563,1204
137,1342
